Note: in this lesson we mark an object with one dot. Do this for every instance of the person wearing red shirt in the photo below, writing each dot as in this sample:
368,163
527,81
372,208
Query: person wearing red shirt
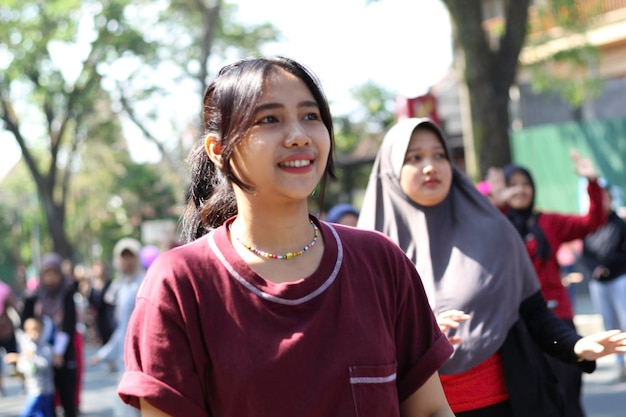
544,233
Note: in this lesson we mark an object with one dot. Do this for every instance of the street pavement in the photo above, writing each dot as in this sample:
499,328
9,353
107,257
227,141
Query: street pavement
603,395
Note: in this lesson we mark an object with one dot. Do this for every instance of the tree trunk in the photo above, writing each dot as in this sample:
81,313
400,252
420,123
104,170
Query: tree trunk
490,68
55,213
490,124
55,220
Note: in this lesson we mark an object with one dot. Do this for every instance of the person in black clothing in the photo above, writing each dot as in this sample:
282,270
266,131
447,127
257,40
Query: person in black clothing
54,298
604,255
102,301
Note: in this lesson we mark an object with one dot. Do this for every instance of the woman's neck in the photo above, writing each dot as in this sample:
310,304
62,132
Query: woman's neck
275,230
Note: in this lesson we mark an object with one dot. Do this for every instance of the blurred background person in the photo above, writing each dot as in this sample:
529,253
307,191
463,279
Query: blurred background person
604,255
102,304
343,213
34,363
54,297
543,234
8,341
130,274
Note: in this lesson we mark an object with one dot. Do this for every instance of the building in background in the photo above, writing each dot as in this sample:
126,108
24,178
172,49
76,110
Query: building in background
606,33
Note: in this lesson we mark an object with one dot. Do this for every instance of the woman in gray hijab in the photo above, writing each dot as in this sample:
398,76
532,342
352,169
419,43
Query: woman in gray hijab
479,279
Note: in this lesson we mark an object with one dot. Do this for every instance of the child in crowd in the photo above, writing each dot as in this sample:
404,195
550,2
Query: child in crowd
34,362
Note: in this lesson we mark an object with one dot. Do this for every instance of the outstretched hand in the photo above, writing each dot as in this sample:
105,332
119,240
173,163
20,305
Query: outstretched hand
583,166
451,319
601,344
500,193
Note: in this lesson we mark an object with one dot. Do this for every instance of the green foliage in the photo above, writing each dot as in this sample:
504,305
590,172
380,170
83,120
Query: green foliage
21,223
54,54
574,90
377,103
571,72
357,138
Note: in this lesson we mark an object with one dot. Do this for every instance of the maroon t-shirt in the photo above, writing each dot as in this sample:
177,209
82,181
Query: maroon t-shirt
210,337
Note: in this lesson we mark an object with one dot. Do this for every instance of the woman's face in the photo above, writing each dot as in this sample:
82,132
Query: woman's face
286,150
426,175
521,191
50,278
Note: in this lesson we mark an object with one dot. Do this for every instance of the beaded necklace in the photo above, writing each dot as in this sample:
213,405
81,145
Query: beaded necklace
288,255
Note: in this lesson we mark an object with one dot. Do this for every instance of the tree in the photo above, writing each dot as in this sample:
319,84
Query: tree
197,32
357,138
68,68
490,62
489,73
40,103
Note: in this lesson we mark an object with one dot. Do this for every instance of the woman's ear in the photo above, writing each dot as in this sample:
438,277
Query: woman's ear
213,149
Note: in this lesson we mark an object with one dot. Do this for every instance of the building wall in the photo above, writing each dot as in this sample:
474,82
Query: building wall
548,108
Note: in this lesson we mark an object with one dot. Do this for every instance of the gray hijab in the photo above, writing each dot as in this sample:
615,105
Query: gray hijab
467,253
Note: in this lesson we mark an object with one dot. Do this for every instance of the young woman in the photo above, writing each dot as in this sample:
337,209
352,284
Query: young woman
543,234
479,279
268,311
604,256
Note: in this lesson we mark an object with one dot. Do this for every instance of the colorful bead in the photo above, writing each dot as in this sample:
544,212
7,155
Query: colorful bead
288,255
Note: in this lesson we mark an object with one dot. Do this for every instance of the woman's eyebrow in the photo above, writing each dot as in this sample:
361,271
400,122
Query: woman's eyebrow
418,148
270,106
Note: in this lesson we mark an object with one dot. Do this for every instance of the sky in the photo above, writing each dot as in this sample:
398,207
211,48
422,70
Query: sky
401,45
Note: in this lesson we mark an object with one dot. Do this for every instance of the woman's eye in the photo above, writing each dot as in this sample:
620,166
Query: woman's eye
267,119
312,116
412,158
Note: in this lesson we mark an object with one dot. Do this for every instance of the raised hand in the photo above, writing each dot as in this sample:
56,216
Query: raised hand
450,320
601,344
583,166
500,193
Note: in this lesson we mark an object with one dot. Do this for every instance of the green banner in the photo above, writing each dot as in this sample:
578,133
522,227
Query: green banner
545,151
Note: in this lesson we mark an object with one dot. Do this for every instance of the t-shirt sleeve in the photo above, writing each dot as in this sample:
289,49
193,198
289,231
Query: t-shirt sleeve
163,352
421,346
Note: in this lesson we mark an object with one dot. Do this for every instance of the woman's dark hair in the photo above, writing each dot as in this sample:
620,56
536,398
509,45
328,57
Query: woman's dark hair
228,113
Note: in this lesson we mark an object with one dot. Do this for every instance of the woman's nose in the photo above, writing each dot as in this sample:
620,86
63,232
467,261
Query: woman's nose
296,135
428,169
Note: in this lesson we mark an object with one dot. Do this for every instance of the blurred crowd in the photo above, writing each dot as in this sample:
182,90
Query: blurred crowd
73,305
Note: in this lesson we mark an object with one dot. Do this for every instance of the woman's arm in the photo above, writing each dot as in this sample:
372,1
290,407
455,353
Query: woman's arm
147,410
428,401
548,331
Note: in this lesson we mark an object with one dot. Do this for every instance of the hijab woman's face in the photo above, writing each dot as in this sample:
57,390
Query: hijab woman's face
50,278
426,174
521,191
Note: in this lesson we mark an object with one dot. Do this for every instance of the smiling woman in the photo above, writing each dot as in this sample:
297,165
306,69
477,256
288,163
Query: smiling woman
268,310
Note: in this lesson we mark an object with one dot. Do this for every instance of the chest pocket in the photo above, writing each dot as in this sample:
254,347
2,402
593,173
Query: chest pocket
374,390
